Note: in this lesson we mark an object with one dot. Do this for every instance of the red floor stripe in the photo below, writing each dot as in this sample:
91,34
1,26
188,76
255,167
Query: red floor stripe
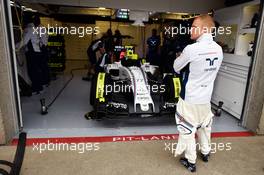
32,141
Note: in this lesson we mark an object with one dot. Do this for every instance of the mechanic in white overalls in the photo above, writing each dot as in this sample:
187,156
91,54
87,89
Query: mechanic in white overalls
200,63
36,54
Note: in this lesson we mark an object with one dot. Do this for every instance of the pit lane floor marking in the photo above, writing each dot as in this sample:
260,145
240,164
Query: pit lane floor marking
127,138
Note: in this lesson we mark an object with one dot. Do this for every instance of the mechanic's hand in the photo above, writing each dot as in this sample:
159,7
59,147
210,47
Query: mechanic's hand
178,54
17,50
17,47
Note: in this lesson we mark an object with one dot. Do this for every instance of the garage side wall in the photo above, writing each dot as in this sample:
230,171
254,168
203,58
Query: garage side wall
2,130
254,115
8,122
261,123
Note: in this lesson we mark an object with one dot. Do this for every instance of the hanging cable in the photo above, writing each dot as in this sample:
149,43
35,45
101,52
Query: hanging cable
44,108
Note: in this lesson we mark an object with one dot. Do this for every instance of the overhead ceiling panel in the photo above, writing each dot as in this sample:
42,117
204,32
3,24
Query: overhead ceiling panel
183,6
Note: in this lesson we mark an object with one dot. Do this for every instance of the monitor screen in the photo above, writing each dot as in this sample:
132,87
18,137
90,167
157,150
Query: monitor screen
122,14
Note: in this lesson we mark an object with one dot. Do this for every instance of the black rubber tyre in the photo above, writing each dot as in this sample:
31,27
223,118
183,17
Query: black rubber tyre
169,93
93,89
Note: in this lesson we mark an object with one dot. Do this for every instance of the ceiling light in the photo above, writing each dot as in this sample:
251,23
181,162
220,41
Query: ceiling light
138,22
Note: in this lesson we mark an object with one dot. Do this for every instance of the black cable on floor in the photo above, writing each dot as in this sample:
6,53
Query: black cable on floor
65,85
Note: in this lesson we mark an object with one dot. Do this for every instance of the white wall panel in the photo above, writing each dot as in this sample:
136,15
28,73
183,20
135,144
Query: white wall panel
230,84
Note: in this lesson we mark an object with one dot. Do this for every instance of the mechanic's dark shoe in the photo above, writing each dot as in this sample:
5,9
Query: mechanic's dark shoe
46,85
37,92
190,166
90,115
86,116
205,157
86,79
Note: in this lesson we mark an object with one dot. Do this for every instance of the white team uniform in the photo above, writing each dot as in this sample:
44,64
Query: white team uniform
200,63
34,36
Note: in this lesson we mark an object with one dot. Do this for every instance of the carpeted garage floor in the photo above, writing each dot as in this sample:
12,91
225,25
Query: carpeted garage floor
143,158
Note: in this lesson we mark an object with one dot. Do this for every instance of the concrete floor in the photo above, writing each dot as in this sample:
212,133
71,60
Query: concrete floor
66,116
143,157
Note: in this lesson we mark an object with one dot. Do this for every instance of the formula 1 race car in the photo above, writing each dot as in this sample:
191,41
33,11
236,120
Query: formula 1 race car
131,88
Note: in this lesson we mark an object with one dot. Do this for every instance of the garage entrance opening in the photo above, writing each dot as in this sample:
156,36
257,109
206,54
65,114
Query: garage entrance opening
79,41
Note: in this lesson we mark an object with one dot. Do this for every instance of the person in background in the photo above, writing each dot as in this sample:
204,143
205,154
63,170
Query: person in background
167,54
36,55
117,38
104,58
108,40
91,53
117,43
153,43
45,70
171,47
200,63
99,67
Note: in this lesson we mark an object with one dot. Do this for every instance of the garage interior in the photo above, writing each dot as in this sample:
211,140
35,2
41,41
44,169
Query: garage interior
129,145
66,116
